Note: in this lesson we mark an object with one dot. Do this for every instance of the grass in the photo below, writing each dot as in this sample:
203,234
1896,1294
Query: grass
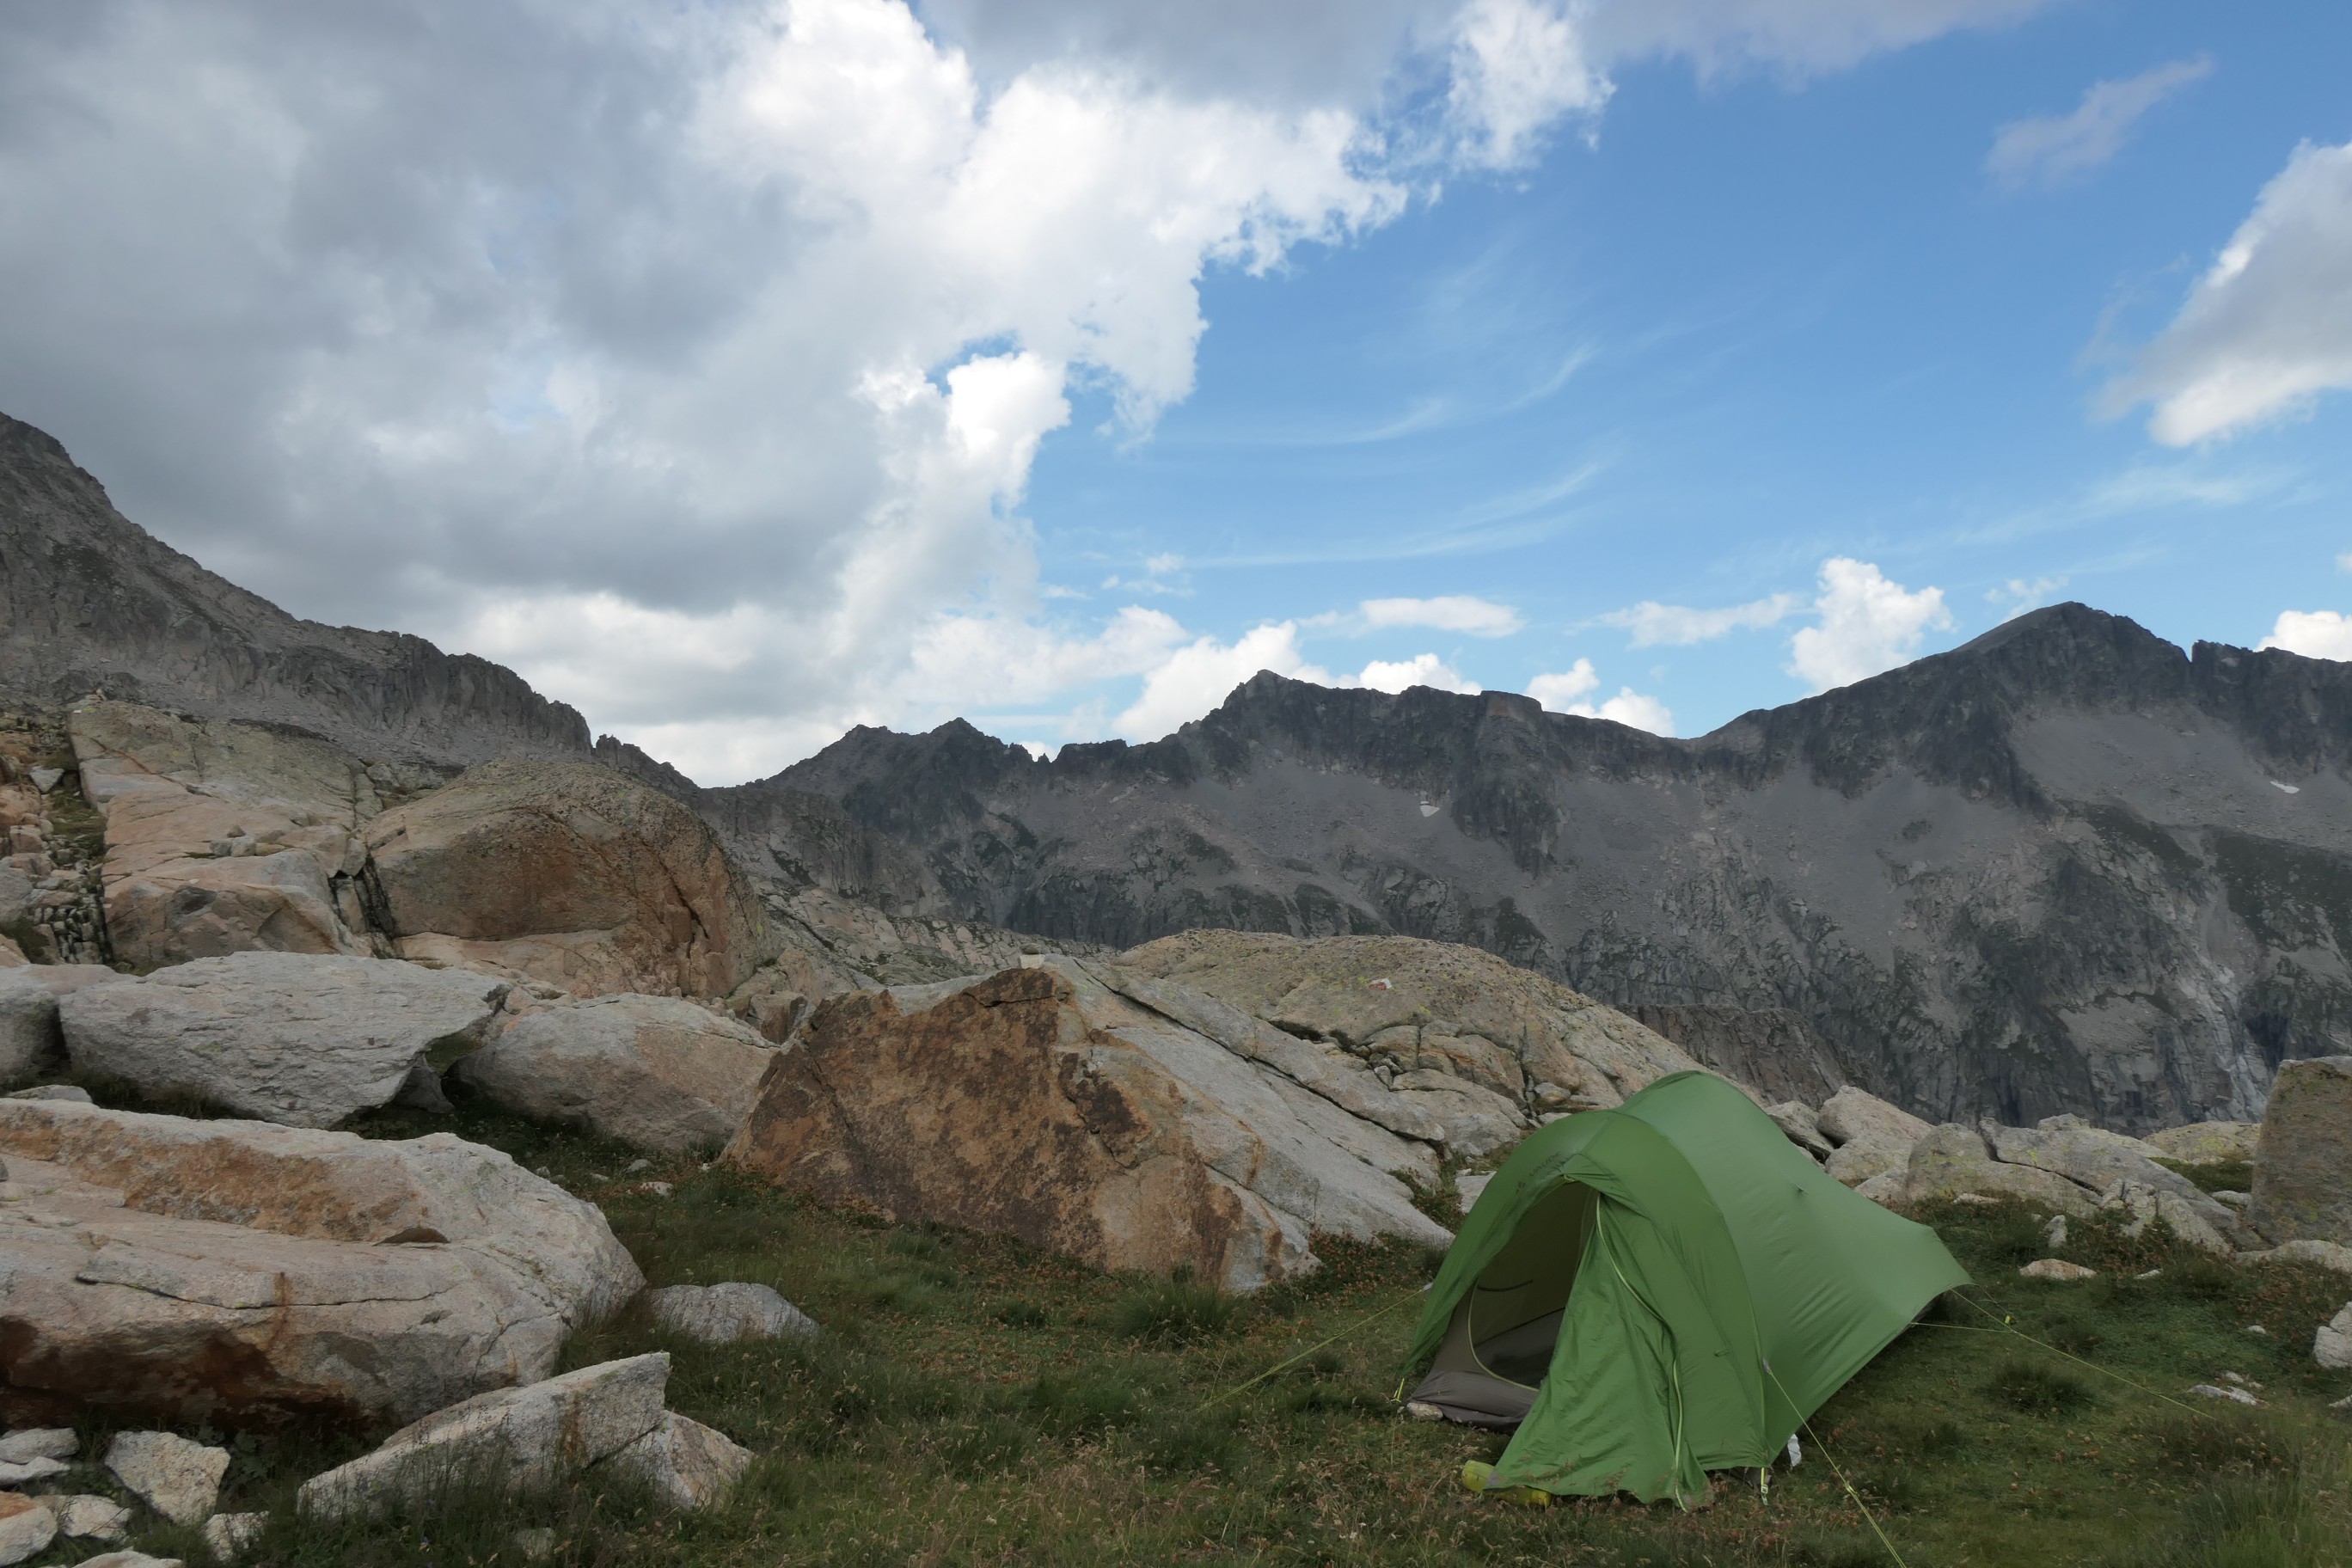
973,1401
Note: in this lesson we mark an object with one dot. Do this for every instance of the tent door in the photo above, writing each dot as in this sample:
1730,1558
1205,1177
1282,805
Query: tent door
1498,1347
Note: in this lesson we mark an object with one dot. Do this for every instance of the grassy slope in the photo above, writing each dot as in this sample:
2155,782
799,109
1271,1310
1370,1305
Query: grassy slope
974,1402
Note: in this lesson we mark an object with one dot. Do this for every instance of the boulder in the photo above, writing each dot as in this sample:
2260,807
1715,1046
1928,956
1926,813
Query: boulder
659,1073
223,836
30,1041
29,1471
127,1559
2332,1347
304,1040
178,1478
2107,1163
570,874
541,1433
156,1266
1952,1160
1869,1135
1421,1006
687,1464
721,1314
2326,1254
1803,1126
85,1516
38,1443
2057,1270
2300,1188
228,1535
2207,1143
1040,1103
25,1528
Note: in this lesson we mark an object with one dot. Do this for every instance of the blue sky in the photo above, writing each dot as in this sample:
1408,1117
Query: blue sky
743,370
1753,325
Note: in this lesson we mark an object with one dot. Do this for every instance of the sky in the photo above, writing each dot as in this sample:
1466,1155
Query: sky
740,370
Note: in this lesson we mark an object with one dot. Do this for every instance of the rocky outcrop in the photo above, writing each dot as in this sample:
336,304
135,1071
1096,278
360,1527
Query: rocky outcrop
1042,1103
1419,1011
660,1073
224,837
2300,1190
2046,871
2073,1169
237,1272
569,874
298,1039
2207,1143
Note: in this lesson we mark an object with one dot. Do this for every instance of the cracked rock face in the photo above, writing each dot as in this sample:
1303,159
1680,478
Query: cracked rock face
301,1039
571,875
239,1272
1045,1103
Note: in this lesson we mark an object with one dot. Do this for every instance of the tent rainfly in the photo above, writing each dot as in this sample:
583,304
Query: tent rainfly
1663,1289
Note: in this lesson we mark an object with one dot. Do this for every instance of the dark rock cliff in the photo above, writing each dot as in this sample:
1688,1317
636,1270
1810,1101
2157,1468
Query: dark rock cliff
2064,868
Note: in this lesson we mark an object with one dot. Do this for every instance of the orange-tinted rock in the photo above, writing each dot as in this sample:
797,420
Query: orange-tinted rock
569,874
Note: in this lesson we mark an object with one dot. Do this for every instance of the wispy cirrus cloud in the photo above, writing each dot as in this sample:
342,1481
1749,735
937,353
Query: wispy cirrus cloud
1653,625
1448,612
2049,149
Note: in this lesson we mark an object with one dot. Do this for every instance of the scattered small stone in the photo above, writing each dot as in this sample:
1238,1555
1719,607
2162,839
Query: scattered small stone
598,1177
2053,1235
2241,1379
2235,1200
2149,1274
1975,1200
26,1527
545,1174
1420,1410
2343,1404
177,1478
227,1535
38,1443
2258,1328
657,1189
534,1544
2210,1390
129,1559
44,779
2057,1269
89,1516
633,1166
29,1470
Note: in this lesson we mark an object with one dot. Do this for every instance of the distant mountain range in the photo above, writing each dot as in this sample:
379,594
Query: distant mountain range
2062,867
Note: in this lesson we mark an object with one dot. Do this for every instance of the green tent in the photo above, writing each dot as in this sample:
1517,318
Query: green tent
1663,1289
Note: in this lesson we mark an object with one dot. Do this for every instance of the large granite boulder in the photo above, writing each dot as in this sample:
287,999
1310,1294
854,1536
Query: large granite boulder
301,1039
235,1272
1042,1103
569,874
1408,1007
2120,1168
659,1072
2303,1166
31,1044
224,837
1952,1159
1868,1136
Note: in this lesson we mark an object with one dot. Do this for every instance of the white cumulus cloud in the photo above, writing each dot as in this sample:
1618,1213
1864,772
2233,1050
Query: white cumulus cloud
1565,692
1867,625
2315,634
1423,669
2050,149
1678,625
1194,678
1449,613
2268,326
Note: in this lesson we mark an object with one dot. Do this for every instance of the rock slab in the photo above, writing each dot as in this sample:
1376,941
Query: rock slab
300,1039
186,1271
1040,1103
178,1478
1871,1137
659,1073
721,1314
2300,1187
25,1528
539,1433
